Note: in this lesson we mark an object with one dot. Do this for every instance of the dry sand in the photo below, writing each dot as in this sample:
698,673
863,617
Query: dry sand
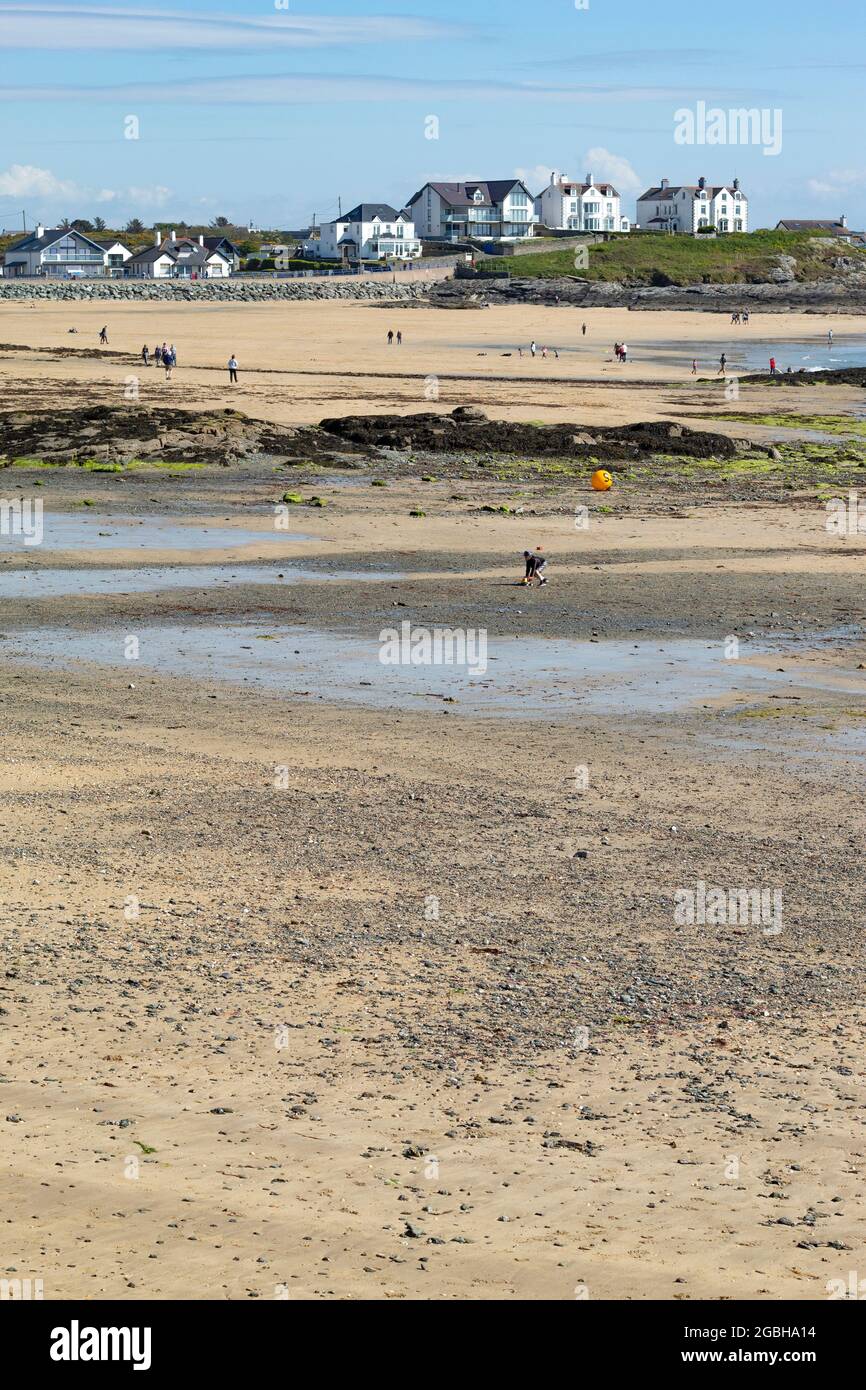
301,361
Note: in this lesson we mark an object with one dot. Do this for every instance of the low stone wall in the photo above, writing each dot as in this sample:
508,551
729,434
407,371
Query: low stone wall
223,291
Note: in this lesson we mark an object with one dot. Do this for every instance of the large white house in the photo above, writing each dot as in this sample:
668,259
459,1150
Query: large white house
580,207
486,209
686,207
184,258
61,252
369,232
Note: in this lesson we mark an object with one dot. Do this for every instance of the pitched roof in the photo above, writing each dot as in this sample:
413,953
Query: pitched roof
493,190
32,242
820,224
371,212
569,186
661,194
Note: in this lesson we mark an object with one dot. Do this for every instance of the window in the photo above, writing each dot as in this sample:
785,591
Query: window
519,200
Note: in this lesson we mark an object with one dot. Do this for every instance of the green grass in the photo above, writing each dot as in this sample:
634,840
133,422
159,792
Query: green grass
824,424
645,258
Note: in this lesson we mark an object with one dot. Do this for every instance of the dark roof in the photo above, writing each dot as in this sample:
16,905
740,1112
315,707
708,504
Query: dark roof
151,254
34,243
820,224
494,190
106,241
371,212
219,243
660,194
606,188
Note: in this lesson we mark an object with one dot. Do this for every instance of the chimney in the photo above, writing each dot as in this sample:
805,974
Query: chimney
843,220
702,183
736,185
173,234
589,179
40,230
201,238
664,183
157,237
552,177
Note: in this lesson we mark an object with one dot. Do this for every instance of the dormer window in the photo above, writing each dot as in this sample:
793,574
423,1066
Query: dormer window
478,196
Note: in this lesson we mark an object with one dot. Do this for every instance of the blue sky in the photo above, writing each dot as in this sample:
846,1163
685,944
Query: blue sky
265,112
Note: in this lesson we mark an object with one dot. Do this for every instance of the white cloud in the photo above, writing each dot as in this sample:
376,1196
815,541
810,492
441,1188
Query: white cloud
837,183
27,181
43,186
536,178
90,27
612,168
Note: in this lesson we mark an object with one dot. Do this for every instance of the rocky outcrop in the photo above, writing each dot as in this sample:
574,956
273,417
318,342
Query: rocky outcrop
468,430
817,297
117,435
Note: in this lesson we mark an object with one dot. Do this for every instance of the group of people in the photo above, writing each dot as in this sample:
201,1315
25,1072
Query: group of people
740,316
620,352
534,350
165,356
391,336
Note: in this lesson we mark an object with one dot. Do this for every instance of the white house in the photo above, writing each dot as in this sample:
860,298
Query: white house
487,209
60,252
686,207
185,259
117,253
580,207
369,232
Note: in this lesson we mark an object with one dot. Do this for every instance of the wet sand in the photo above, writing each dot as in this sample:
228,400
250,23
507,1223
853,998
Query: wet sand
315,998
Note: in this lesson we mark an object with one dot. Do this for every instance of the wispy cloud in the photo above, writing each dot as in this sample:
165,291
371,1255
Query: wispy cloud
837,183
29,181
283,89
106,27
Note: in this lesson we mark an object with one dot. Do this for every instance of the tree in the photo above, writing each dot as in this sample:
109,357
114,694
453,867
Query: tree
134,225
99,224
220,222
81,224
65,224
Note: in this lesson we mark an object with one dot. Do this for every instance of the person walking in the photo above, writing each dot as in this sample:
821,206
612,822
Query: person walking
583,330
233,370
399,338
157,355
772,366
103,334
168,362
623,353
533,348
390,336
830,338
723,362
694,366
145,355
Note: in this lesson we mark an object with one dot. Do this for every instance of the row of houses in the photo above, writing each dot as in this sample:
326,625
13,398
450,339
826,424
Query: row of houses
505,210
480,212
67,252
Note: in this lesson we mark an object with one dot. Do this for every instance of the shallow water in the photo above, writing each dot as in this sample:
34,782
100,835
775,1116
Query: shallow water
529,677
745,350
65,531
61,583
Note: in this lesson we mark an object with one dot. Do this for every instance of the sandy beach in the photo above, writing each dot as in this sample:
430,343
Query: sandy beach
328,980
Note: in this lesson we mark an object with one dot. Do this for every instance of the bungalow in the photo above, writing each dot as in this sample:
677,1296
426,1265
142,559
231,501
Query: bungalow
61,252
491,209
580,207
369,232
825,227
687,207
184,259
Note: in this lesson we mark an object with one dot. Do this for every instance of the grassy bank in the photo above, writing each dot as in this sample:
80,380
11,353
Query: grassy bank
648,258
